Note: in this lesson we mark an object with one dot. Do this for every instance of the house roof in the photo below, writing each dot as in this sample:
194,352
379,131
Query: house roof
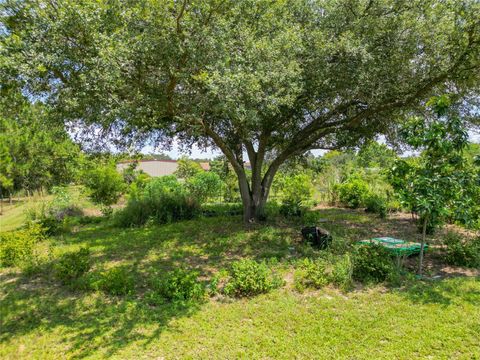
205,166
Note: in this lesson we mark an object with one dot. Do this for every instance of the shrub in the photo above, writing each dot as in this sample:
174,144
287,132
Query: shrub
316,273
187,168
17,247
53,216
116,281
311,218
372,263
296,194
72,266
248,278
205,185
104,185
138,184
292,208
353,192
311,274
164,200
342,272
177,286
462,253
376,204
224,209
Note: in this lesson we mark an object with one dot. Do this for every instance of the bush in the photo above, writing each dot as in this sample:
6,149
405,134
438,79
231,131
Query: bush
116,281
372,263
177,286
72,266
104,185
462,253
376,204
311,274
225,209
53,216
204,186
342,272
164,200
296,194
316,273
311,218
353,192
248,278
17,247
187,168
292,208
138,184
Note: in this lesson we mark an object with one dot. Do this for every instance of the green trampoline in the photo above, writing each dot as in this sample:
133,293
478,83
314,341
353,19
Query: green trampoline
396,246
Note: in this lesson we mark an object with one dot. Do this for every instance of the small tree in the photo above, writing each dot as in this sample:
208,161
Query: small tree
105,186
295,192
429,185
187,168
205,185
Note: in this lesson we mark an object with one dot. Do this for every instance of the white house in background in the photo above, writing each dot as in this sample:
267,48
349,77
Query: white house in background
156,167
151,167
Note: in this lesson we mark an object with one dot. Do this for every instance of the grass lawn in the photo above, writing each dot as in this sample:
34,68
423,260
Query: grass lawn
15,214
40,319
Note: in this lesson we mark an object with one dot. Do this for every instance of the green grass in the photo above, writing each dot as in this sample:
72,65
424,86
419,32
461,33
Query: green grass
40,319
14,215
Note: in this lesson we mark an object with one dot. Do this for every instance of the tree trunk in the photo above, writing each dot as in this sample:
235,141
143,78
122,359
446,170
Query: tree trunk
253,202
422,246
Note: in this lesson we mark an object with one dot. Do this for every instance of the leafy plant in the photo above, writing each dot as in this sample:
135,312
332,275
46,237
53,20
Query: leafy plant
311,274
104,185
187,168
53,215
72,266
372,263
319,272
353,192
248,278
179,285
430,185
115,281
342,272
460,252
17,247
376,204
164,200
204,185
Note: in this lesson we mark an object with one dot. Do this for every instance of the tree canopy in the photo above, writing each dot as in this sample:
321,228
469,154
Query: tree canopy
440,180
35,154
266,79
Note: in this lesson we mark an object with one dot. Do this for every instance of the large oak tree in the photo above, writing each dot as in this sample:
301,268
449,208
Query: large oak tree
266,79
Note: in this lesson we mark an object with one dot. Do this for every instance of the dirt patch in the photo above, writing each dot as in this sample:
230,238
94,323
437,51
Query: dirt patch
402,226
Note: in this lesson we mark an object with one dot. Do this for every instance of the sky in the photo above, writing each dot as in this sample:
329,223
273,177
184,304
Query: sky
197,153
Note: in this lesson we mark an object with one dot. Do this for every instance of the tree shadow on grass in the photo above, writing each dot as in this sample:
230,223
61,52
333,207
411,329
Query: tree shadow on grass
94,323
446,292
86,323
